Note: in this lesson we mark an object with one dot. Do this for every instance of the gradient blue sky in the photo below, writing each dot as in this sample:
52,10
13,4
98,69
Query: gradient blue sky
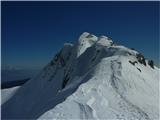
32,32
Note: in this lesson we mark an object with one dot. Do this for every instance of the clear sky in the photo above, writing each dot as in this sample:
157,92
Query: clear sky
32,32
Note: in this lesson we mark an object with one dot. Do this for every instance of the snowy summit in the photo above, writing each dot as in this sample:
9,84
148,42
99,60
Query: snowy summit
92,79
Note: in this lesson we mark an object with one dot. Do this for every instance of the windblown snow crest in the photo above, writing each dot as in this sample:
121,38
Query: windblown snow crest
94,78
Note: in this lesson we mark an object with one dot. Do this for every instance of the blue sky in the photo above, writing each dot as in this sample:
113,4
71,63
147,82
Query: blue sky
32,32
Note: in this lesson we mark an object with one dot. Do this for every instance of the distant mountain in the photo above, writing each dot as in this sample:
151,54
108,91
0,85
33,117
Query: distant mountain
14,83
7,67
94,78
8,75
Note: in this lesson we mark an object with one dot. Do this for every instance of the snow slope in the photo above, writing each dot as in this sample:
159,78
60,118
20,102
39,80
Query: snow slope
92,79
8,93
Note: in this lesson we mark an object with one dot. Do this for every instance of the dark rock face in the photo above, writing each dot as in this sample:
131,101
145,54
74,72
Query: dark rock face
65,81
151,63
58,58
139,69
89,36
52,63
141,59
133,63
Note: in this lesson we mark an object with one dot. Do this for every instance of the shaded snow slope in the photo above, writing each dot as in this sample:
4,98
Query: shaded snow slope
93,79
8,93
109,92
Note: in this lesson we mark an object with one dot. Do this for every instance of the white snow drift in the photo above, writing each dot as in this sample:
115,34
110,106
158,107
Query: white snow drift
92,79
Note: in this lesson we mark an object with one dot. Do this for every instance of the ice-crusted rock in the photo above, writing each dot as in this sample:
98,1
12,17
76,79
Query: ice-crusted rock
85,41
105,41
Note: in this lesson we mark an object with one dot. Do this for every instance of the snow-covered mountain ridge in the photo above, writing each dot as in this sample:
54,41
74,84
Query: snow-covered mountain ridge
91,79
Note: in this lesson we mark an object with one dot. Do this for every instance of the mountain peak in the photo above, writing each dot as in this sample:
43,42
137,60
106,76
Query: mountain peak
87,40
92,76
87,36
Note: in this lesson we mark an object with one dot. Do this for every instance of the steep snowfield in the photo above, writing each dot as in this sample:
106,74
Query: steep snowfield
93,79
113,92
8,93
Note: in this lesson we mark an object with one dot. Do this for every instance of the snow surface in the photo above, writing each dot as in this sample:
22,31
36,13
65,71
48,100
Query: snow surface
92,79
8,93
